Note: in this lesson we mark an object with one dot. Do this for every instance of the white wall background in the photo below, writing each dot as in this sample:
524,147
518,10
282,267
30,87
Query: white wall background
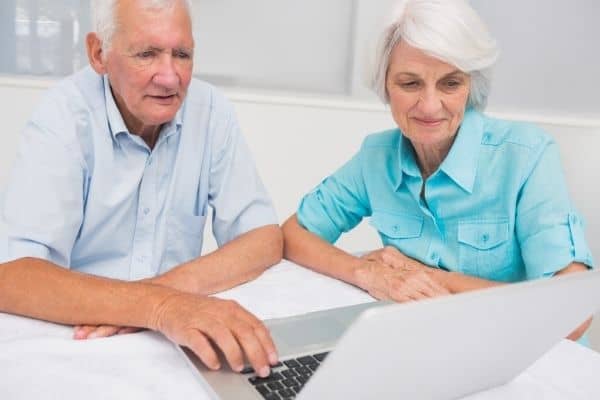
548,73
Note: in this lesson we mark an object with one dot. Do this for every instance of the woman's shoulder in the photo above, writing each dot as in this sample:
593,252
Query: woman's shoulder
499,131
381,140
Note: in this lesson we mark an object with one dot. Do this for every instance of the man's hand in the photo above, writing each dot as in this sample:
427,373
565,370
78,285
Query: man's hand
390,275
200,323
196,322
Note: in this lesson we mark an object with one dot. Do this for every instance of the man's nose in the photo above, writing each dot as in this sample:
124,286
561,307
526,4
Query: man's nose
166,75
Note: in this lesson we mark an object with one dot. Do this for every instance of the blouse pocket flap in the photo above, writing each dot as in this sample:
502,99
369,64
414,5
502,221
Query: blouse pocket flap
483,235
397,226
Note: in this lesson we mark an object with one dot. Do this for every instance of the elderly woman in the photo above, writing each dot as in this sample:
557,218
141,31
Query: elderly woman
461,201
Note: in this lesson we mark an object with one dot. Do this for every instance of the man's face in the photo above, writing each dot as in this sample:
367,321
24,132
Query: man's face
149,63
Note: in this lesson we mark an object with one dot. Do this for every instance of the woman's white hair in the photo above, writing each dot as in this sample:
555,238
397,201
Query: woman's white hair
104,18
449,30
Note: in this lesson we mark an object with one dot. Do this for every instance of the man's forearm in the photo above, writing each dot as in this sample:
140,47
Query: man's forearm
39,289
238,261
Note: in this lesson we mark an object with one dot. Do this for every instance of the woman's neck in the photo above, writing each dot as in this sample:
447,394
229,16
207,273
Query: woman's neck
430,157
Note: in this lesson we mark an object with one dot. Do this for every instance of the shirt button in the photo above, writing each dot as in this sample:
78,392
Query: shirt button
433,256
395,228
485,237
146,211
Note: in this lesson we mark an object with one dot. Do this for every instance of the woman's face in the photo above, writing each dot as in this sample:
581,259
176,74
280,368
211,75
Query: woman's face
427,96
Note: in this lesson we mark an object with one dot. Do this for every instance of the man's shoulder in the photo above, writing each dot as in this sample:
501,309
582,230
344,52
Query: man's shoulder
84,86
66,101
203,94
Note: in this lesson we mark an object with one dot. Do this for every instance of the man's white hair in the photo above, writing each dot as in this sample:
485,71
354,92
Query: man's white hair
449,30
104,18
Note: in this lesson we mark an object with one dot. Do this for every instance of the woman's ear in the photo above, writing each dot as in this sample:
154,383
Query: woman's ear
95,53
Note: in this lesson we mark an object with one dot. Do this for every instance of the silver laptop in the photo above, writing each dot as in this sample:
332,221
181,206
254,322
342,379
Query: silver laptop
440,348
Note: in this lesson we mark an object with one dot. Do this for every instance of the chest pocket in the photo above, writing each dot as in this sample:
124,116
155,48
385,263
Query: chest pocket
184,238
484,248
398,230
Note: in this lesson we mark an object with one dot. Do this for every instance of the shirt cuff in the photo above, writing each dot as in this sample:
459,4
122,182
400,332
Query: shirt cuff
312,216
553,249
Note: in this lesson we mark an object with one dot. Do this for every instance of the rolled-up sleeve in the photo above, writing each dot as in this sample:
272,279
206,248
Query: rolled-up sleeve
336,205
550,232
236,193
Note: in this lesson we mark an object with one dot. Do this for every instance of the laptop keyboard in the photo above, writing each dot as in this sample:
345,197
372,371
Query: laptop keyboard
287,377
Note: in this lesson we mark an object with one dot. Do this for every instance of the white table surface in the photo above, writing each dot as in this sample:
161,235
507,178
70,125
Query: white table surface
40,360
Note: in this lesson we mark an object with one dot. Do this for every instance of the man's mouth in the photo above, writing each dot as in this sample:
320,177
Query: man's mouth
165,99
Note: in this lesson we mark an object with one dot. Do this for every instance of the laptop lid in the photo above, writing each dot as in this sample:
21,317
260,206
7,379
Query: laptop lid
449,347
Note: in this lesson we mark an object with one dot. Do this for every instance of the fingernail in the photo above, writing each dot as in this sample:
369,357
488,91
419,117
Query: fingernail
273,358
264,372
238,368
92,335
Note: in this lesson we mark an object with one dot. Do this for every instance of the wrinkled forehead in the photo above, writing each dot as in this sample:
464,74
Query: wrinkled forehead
146,14
167,24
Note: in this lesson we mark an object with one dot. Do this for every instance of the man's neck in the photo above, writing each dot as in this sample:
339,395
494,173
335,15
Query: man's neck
149,134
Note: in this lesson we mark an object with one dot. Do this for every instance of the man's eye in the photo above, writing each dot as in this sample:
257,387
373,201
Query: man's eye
182,55
145,54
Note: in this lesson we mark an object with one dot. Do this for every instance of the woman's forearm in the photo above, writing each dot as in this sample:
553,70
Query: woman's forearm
307,249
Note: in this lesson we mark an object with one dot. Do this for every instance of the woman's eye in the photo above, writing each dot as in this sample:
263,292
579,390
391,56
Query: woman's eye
451,84
410,85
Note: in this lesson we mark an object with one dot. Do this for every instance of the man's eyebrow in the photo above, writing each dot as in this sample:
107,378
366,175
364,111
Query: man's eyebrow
183,48
136,49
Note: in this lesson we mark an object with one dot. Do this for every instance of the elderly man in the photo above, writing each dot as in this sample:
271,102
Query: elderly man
113,179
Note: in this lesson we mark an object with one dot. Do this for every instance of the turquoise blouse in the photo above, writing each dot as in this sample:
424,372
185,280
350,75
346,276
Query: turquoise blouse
496,208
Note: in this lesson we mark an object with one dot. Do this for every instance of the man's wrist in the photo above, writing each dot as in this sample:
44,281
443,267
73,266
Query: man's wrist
159,301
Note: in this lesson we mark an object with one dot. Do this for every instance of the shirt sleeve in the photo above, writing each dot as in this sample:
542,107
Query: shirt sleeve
550,231
43,205
338,204
237,195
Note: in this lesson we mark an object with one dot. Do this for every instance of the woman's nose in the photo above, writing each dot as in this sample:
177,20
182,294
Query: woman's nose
430,102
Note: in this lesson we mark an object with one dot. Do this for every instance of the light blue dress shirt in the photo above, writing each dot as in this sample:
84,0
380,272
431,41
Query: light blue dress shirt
496,208
86,194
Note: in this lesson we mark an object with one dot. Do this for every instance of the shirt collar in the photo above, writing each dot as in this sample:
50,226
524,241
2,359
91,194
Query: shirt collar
461,162
115,119
408,163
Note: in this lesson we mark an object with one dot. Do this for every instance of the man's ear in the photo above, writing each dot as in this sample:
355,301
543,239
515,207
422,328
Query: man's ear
95,53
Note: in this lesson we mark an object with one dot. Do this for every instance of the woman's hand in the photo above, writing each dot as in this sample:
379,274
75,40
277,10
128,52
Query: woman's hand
390,275
392,257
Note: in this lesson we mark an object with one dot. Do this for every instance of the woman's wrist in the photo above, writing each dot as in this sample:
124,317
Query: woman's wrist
363,273
442,277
